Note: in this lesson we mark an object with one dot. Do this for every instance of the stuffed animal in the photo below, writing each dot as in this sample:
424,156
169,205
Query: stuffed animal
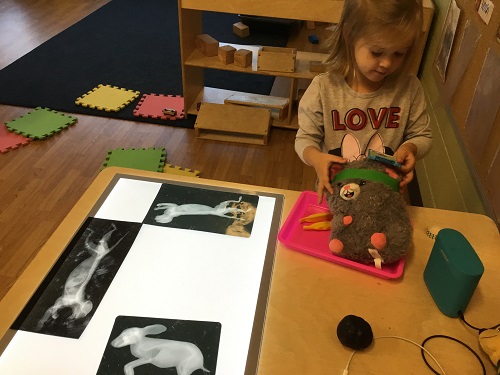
489,339
370,221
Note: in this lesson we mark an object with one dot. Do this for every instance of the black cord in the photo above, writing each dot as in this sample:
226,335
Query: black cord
462,317
453,339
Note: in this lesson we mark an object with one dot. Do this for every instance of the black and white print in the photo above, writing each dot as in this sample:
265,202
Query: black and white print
70,295
203,210
141,345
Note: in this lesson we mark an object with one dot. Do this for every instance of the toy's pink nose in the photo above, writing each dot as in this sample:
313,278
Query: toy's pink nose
336,246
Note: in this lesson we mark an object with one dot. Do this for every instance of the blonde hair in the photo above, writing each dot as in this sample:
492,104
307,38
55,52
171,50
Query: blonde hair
393,21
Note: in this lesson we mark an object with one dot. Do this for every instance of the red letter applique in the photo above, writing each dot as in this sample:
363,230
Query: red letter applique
377,119
393,120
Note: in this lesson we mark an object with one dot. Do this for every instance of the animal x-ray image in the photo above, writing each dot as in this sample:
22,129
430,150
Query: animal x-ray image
68,297
203,210
141,345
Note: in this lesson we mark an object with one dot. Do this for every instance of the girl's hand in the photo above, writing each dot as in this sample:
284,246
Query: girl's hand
405,155
321,163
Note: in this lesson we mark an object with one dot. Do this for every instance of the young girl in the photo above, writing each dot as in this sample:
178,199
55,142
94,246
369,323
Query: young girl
367,99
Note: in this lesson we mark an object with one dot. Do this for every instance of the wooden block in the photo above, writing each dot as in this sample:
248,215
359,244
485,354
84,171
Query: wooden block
243,57
317,66
310,25
226,54
241,29
207,45
277,59
261,101
233,123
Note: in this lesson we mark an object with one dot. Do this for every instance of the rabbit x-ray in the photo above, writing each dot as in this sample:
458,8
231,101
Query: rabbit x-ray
144,345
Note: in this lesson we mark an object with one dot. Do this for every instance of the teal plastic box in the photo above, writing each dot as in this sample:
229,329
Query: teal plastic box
452,272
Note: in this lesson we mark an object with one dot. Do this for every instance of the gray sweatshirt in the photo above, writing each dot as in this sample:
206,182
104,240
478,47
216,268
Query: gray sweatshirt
336,119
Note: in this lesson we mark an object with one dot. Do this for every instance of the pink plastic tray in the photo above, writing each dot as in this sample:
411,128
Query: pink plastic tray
315,243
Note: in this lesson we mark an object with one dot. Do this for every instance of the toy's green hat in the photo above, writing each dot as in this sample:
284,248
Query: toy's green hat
367,174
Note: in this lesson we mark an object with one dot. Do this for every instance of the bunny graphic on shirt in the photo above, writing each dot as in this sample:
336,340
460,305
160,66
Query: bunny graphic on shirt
350,148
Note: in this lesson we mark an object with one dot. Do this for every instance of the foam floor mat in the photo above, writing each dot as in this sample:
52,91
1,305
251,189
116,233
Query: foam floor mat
174,169
149,159
40,123
10,141
152,106
107,98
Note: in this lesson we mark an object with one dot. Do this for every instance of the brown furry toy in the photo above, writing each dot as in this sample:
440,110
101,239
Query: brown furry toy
370,222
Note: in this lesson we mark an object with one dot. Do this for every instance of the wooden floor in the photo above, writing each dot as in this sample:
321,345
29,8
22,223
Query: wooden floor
40,182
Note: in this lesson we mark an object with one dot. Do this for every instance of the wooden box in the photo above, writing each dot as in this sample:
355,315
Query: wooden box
233,123
277,59
243,57
317,66
261,101
240,29
226,54
207,45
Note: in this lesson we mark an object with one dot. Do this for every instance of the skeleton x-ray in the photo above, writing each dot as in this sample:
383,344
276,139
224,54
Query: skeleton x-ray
203,210
71,293
140,345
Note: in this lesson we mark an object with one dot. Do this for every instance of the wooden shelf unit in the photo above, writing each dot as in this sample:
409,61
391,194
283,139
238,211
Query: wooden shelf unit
194,62
215,95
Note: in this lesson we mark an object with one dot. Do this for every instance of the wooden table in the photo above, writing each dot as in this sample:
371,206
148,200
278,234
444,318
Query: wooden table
309,297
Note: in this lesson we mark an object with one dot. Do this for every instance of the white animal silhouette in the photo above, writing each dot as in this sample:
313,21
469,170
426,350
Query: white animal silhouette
74,288
173,210
186,357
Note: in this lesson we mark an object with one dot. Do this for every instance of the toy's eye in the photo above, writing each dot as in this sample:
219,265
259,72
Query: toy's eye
362,183
339,184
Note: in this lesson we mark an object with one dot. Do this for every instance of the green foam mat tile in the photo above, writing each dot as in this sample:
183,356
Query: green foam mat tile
107,98
40,123
148,159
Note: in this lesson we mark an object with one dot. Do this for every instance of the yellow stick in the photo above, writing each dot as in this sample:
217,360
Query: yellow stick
320,225
322,216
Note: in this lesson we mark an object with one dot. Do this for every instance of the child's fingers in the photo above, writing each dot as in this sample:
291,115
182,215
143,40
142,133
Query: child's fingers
406,159
406,179
320,195
406,169
321,191
337,159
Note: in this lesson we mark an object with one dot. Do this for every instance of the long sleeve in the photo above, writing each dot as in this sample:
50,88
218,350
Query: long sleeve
310,114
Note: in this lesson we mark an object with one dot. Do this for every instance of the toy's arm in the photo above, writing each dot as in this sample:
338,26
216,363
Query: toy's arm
490,343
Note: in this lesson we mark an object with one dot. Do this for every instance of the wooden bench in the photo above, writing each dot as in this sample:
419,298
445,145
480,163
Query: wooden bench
233,123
